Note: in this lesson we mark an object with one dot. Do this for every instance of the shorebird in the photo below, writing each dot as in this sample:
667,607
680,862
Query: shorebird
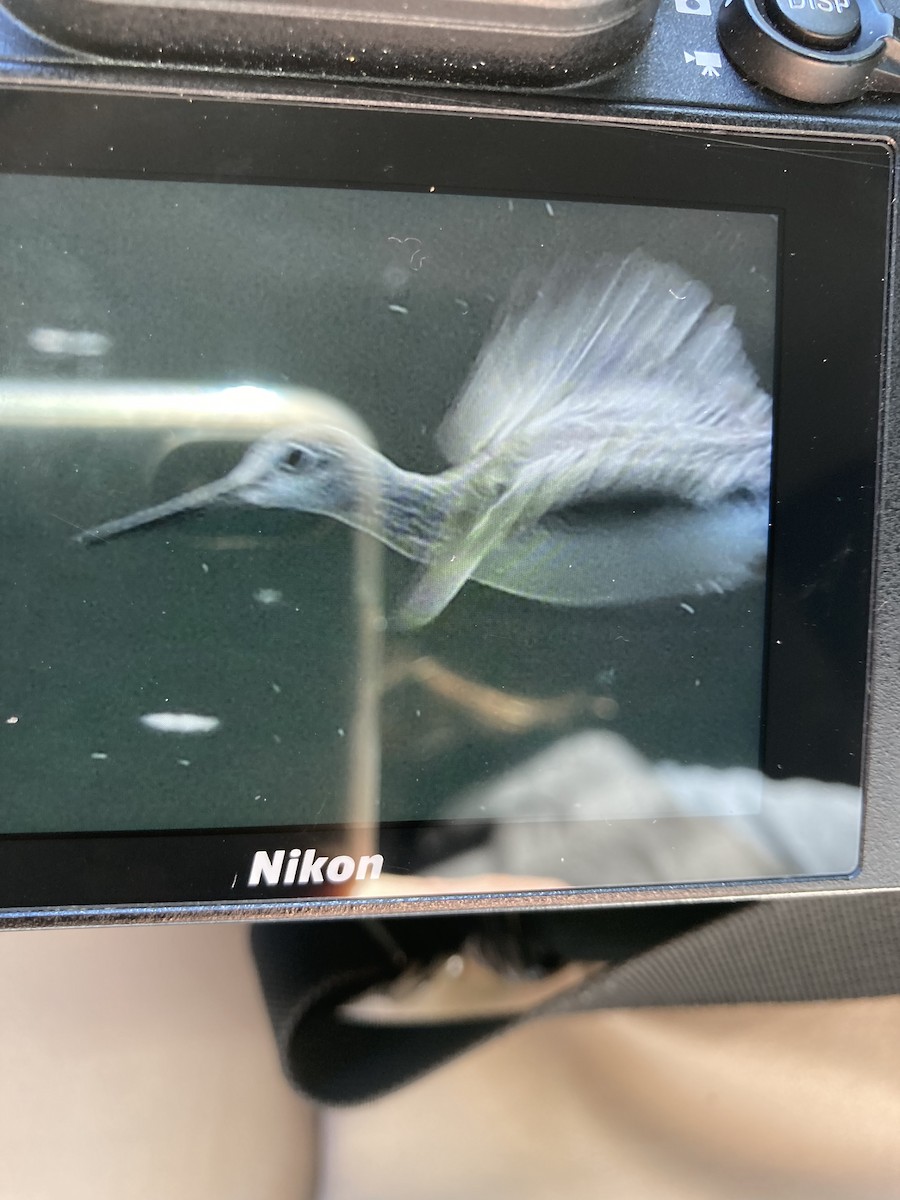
612,445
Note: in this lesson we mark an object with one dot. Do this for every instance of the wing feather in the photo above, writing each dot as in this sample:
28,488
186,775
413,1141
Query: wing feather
629,361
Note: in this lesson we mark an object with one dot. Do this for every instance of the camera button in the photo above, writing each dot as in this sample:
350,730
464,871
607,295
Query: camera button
819,24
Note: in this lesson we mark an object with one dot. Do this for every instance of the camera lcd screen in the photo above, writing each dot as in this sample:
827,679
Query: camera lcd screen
434,520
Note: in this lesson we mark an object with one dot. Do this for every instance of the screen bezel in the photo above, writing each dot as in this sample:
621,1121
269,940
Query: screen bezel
828,386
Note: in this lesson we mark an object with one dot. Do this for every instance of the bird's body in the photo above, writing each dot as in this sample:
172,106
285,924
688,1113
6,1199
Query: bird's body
612,445
591,564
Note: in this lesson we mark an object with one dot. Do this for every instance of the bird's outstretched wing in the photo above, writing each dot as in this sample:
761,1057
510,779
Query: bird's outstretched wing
629,360
604,379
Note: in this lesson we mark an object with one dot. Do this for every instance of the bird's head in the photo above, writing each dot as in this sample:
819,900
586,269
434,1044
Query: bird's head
324,470
328,471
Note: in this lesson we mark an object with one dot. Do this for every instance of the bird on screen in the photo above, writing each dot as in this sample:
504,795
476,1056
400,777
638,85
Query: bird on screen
612,445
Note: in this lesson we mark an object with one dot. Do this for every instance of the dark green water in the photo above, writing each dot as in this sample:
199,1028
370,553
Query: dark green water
381,301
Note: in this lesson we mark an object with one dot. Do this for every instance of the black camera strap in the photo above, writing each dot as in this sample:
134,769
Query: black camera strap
798,949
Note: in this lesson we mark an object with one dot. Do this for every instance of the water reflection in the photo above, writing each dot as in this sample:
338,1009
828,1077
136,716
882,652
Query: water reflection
591,811
631,824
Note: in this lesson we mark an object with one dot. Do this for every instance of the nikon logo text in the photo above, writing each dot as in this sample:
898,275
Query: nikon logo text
307,866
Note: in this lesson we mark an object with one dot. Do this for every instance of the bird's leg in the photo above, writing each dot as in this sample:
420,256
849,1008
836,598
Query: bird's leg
490,510
458,553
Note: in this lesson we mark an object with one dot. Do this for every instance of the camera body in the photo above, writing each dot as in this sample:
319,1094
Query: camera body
506,750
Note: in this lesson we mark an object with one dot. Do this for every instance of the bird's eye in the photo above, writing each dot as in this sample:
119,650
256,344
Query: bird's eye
294,459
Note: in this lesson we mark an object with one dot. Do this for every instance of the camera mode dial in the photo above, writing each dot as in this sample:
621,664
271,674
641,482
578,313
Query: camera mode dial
820,51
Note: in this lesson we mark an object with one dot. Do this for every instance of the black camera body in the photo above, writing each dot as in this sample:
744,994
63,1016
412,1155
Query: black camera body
481,686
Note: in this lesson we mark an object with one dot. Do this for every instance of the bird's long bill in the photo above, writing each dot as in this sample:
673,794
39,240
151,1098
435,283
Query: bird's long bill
199,498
